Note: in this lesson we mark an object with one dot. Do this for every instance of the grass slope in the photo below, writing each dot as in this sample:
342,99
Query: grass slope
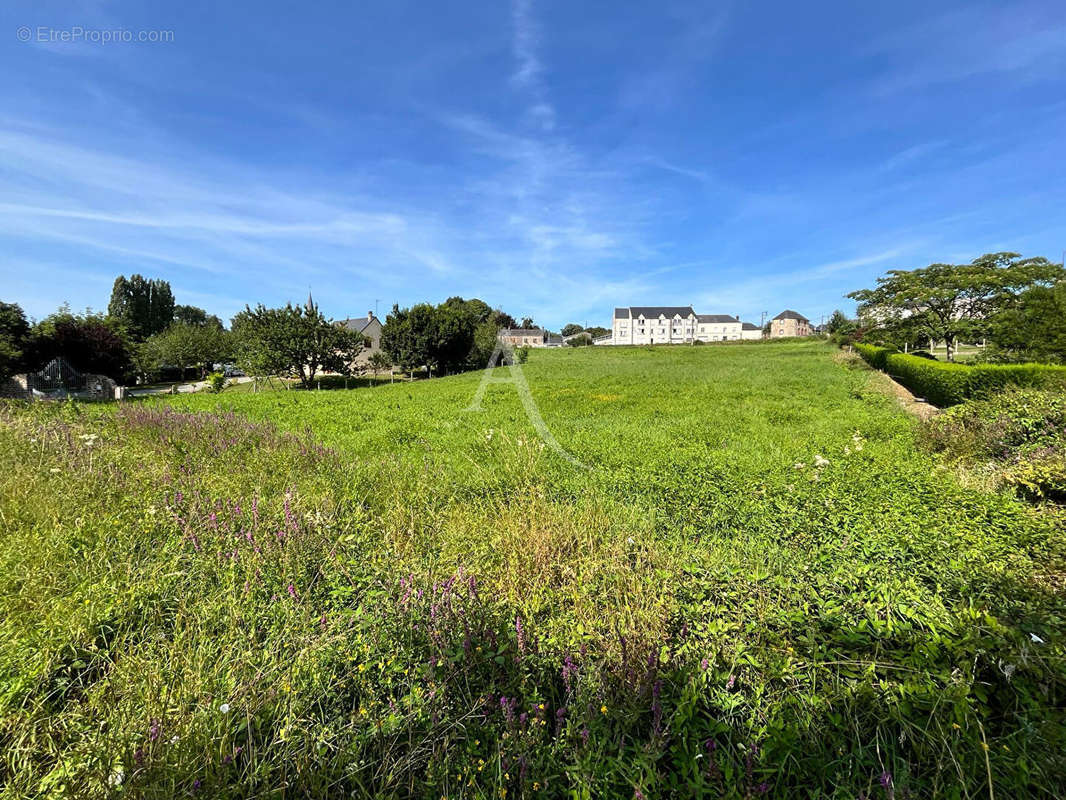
759,585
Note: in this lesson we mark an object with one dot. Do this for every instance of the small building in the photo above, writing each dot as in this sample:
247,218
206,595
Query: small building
718,328
524,337
750,331
789,323
370,327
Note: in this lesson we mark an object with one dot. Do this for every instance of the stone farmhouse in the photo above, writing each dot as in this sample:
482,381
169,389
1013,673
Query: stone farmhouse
789,323
370,327
524,337
676,325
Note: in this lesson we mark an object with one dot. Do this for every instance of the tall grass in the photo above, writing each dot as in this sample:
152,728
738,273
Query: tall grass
761,586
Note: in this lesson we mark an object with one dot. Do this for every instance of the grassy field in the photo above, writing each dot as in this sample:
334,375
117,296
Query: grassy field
759,583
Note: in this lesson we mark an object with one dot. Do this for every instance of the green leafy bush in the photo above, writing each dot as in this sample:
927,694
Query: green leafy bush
946,384
1020,432
216,382
873,355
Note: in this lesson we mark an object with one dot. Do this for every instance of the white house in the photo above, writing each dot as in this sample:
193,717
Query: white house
750,331
676,325
718,328
653,325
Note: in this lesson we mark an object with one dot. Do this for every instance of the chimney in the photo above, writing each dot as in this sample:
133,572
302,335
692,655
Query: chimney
369,315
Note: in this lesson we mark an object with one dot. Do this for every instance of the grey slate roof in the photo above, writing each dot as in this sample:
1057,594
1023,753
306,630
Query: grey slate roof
716,318
357,324
789,314
654,312
522,332
621,313
747,326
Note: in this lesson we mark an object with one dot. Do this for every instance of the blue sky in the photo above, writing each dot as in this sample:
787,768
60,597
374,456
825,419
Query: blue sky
553,158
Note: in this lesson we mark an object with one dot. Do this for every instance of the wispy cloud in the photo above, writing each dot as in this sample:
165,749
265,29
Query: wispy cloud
977,40
528,67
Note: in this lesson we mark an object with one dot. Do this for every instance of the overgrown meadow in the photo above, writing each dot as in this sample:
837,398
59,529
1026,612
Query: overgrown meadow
760,585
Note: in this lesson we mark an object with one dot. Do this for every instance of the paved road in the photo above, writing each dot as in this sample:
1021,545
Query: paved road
183,388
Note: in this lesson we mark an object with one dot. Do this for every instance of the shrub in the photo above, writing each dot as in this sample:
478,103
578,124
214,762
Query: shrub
946,384
1020,432
873,355
521,355
216,382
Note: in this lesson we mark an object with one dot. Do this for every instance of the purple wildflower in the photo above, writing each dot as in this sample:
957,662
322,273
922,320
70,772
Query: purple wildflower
569,673
292,591
154,730
886,779
657,707
731,682
507,704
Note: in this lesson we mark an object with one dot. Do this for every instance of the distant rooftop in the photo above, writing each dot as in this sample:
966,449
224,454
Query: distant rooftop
358,324
653,312
716,318
789,314
522,332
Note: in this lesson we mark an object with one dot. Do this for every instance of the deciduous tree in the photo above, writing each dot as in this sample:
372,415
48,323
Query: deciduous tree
14,338
949,301
294,341
187,345
144,307
90,342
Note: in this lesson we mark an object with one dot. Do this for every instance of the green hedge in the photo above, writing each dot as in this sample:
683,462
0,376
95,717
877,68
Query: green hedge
946,384
873,355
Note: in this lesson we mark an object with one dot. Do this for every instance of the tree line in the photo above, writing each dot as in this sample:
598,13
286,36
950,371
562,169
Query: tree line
1015,305
145,335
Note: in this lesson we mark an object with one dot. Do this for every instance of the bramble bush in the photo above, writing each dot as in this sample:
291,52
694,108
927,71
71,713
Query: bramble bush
1021,431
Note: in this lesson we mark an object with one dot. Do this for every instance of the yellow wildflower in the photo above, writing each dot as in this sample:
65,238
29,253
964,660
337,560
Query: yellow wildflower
603,709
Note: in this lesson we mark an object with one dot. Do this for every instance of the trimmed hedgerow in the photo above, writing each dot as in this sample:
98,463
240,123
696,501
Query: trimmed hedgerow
946,384
873,355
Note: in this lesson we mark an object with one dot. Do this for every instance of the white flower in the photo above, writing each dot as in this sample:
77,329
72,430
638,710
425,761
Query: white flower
175,739
224,708
116,778
798,465
630,540
54,469
820,462
1036,639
